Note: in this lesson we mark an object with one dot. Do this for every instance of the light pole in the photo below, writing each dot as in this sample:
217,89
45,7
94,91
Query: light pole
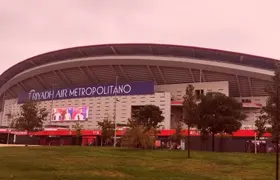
276,132
3,107
115,114
8,135
255,134
9,117
53,95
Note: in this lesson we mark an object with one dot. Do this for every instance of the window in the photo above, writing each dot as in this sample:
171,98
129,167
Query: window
246,100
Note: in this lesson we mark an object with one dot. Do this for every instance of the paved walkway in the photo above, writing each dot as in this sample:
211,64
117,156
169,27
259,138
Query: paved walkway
15,145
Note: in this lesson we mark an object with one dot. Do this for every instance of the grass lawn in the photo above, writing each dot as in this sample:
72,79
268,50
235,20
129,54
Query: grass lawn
86,163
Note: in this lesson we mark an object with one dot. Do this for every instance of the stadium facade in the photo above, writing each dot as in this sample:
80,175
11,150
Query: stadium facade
90,83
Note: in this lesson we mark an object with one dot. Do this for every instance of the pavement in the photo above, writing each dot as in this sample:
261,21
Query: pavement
15,145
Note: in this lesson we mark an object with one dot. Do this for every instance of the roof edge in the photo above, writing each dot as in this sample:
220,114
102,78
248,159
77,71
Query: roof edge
143,44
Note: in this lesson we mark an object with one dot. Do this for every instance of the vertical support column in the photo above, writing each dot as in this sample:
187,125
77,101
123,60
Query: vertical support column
250,86
238,85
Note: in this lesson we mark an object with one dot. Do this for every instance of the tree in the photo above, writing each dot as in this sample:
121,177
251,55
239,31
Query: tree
178,135
273,104
219,114
78,131
261,124
272,110
142,128
149,117
190,110
136,136
108,129
31,117
204,136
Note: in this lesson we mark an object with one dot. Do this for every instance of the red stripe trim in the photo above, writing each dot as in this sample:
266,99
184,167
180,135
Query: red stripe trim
239,133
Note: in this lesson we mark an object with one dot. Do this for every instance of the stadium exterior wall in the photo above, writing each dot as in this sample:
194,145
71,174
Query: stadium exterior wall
165,96
232,72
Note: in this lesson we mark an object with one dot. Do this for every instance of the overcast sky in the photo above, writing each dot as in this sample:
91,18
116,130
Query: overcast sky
32,27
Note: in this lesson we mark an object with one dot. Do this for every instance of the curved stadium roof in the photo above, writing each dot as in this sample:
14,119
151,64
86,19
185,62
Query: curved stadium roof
138,49
156,50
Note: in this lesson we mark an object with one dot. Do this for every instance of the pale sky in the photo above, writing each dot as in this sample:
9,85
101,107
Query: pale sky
32,27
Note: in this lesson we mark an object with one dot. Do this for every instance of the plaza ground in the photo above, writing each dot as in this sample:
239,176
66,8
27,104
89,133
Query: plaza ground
83,163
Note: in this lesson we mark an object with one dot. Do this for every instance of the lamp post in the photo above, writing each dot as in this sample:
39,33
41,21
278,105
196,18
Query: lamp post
53,95
255,134
9,117
115,114
3,108
8,135
276,132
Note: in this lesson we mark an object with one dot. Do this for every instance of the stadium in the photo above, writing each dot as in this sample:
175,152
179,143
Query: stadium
89,83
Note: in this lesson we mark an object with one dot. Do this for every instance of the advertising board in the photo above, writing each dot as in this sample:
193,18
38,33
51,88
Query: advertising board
133,88
70,114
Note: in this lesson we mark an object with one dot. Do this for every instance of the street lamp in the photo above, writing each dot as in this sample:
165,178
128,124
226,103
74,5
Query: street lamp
277,133
8,135
115,113
52,102
255,138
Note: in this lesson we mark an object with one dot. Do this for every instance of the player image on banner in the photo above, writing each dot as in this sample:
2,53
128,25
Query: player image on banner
80,113
70,114
56,114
